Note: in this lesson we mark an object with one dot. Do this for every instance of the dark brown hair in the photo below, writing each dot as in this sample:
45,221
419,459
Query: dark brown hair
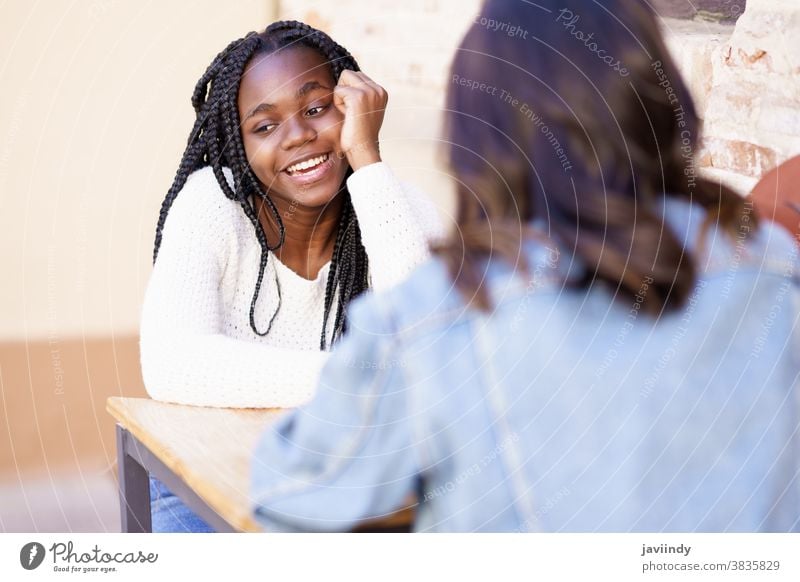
573,113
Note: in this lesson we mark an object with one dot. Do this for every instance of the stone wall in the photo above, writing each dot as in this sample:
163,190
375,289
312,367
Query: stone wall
744,80
752,114
708,10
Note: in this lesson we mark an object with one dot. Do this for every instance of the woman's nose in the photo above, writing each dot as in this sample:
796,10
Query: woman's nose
296,132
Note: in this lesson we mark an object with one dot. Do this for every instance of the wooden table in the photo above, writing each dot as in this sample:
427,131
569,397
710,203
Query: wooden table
202,455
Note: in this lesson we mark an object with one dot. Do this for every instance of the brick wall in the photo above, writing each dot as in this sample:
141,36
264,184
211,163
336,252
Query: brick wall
743,75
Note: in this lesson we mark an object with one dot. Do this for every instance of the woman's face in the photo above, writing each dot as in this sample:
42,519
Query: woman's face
291,128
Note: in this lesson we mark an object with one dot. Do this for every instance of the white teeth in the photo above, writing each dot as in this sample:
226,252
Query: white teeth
307,164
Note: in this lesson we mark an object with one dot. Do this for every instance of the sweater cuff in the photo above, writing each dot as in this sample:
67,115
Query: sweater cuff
370,178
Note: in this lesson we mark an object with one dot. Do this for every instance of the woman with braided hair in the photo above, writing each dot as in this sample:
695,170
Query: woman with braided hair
280,214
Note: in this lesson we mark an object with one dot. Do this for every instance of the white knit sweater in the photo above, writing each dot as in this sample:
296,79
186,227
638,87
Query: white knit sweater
197,346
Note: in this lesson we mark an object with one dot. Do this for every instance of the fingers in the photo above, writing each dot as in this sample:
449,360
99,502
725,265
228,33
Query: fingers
359,100
350,78
359,80
363,103
342,96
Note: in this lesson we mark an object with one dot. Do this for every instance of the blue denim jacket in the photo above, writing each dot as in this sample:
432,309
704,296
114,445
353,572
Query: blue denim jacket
561,410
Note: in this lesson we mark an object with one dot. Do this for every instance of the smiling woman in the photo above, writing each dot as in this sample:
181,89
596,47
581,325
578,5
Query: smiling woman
293,146
280,214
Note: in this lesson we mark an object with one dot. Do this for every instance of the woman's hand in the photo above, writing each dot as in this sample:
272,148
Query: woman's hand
363,103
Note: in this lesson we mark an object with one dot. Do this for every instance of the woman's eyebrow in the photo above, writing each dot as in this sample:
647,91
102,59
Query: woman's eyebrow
308,87
301,92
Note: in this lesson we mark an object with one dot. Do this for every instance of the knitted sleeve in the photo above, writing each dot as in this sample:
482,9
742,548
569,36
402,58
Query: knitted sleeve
397,223
185,356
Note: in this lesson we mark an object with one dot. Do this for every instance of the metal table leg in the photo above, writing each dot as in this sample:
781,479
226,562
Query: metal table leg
136,464
134,488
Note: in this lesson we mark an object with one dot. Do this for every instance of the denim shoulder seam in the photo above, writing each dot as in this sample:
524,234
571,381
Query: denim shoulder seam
507,451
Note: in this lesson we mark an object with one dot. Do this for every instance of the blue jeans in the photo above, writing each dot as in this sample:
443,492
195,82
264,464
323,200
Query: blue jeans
170,515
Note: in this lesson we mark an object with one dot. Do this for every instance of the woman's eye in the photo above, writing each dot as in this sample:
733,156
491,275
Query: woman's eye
266,128
315,110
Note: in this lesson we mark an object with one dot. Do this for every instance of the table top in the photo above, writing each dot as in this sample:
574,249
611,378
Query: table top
210,449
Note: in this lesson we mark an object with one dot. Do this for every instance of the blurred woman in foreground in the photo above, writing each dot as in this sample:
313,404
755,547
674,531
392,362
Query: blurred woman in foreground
604,345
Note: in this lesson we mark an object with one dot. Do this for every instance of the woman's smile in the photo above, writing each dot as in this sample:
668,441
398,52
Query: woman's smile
312,169
291,129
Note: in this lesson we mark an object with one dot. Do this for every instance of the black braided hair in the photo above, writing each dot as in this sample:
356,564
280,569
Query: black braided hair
215,140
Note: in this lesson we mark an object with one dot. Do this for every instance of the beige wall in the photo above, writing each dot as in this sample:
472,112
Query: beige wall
94,114
94,117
